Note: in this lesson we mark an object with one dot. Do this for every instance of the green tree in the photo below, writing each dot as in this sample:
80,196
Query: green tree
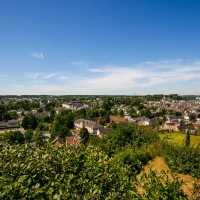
187,139
107,120
14,137
13,115
25,123
6,116
102,112
121,113
28,136
85,135
46,119
42,127
178,114
107,104
38,138
61,126
192,116
32,121
115,112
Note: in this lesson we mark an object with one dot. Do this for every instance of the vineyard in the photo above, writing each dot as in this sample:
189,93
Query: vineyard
104,168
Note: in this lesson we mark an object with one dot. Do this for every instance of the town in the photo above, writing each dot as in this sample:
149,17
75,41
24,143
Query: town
59,119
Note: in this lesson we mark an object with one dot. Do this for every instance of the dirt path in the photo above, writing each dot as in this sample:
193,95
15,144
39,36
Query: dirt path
159,164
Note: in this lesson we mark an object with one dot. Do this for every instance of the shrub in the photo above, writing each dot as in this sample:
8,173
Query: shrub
182,159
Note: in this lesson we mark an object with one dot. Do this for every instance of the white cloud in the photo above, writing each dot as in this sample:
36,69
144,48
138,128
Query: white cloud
140,76
32,75
63,77
96,70
49,76
39,55
158,76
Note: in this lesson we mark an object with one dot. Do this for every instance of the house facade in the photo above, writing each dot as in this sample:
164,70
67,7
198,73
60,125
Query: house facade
92,127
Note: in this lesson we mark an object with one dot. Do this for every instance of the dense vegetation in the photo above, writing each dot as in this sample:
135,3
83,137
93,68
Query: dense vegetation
182,159
75,173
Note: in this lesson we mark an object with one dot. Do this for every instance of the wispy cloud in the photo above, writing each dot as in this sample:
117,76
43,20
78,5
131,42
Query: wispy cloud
140,76
49,76
63,77
32,75
39,55
126,79
95,70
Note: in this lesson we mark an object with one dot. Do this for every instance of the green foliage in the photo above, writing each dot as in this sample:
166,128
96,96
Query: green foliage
136,159
50,173
6,116
161,186
80,114
13,115
28,136
42,127
192,116
187,139
92,112
98,142
85,135
179,114
182,159
107,104
25,122
121,113
38,138
46,119
127,133
61,126
136,101
14,137
29,122
50,106
80,173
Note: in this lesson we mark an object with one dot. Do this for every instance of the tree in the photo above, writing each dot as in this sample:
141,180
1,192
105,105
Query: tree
102,112
6,116
14,137
107,120
42,127
187,139
25,122
115,112
13,115
46,119
61,126
28,136
192,116
136,101
52,115
85,135
178,114
107,104
32,121
121,113
38,138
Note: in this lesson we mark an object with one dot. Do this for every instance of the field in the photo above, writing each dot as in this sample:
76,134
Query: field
179,138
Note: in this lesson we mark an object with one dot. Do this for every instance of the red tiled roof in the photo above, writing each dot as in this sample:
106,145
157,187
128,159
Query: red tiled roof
117,119
72,141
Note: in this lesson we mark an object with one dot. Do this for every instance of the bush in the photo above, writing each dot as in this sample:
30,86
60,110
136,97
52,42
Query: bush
50,173
77,173
161,186
136,159
182,159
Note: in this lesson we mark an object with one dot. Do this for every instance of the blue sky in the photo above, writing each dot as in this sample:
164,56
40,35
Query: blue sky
129,47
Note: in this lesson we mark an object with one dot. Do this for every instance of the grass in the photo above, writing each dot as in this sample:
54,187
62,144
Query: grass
179,138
